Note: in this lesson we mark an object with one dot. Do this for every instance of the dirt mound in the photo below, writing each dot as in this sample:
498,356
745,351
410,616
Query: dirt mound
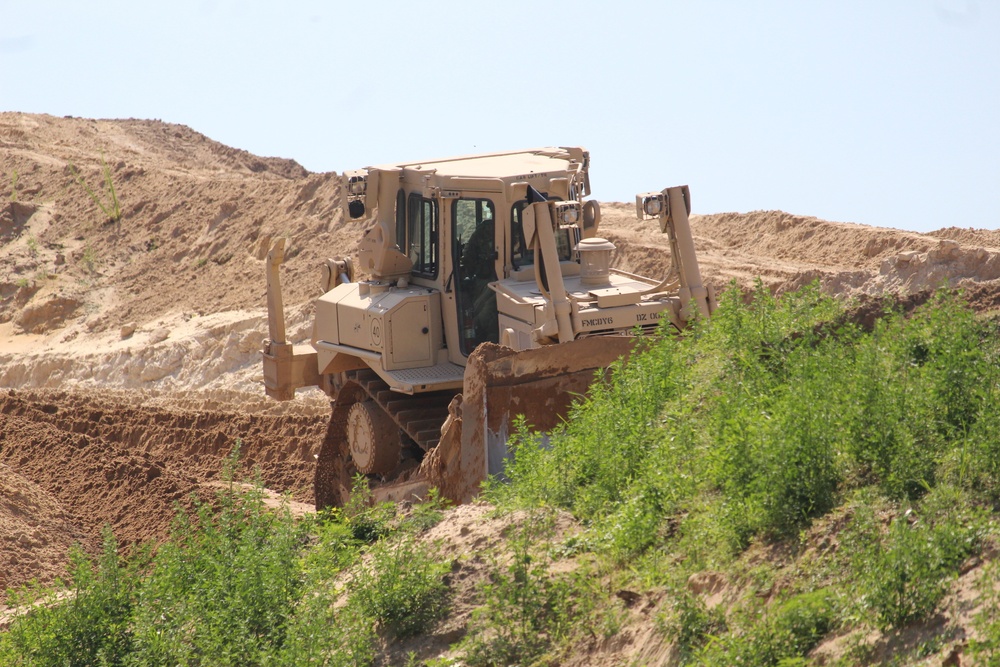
196,220
71,463
36,531
788,251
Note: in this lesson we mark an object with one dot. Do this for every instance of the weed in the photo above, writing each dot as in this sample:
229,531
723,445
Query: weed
223,586
107,201
778,635
22,283
427,514
32,244
525,611
689,622
402,587
984,646
13,185
318,631
89,259
319,634
367,520
90,627
902,575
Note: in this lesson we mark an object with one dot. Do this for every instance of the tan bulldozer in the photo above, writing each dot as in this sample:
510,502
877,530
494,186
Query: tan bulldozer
488,294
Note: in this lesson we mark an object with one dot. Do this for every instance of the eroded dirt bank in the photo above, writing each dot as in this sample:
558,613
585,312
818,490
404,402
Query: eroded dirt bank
73,462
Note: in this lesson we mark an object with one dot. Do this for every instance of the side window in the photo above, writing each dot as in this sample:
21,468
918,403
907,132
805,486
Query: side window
521,253
401,220
422,235
474,234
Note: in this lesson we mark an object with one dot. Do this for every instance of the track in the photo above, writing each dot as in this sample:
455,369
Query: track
419,417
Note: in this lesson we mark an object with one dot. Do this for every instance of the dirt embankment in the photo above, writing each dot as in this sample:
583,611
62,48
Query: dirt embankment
72,462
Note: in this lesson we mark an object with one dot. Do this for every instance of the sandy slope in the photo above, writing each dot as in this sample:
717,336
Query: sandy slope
129,357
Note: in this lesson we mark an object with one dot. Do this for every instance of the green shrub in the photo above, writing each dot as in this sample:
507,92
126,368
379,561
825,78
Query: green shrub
427,514
803,620
903,574
367,520
689,622
524,610
402,587
773,410
88,625
984,646
320,634
781,634
107,201
223,587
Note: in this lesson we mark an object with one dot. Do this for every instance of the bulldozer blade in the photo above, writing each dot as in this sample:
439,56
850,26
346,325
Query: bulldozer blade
500,384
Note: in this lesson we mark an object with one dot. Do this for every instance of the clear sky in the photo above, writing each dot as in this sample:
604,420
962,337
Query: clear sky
882,112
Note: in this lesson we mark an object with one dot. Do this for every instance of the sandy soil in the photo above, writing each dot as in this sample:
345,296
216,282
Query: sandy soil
129,363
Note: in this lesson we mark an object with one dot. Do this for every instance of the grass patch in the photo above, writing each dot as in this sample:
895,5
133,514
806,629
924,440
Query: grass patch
107,200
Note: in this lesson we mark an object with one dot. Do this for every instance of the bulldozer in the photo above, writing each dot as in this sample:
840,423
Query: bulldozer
481,292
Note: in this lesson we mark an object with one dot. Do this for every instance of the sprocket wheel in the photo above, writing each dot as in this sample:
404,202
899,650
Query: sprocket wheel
373,438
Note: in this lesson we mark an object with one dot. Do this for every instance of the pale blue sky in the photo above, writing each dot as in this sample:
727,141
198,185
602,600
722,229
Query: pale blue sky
882,112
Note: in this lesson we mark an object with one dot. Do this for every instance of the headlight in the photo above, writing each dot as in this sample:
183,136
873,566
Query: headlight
356,185
650,205
568,212
653,206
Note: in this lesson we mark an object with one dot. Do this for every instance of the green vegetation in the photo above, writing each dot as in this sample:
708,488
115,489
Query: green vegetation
821,479
13,185
402,587
107,200
237,584
89,259
753,427
525,610
985,648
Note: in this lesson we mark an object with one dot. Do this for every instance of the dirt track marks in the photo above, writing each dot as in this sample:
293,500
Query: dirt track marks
107,462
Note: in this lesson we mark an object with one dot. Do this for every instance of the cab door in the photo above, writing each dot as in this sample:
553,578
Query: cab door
475,254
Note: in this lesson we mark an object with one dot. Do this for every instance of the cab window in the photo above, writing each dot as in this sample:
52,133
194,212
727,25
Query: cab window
401,220
521,254
422,235
475,253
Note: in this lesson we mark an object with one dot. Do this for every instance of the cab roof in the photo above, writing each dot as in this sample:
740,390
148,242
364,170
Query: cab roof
500,165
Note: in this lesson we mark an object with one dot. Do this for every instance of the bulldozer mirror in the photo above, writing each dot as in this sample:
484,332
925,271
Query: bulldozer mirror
591,219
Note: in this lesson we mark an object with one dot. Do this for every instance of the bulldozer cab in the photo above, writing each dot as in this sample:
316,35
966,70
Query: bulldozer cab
460,224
